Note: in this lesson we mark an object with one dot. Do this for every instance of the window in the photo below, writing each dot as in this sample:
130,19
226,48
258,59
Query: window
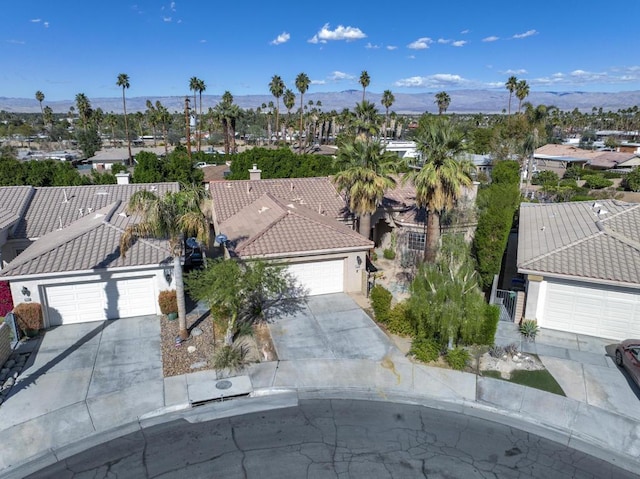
416,241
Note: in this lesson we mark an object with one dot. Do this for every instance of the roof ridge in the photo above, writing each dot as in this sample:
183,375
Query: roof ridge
263,232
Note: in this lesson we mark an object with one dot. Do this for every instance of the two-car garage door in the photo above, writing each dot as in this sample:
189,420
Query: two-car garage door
100,300
320,277
595,310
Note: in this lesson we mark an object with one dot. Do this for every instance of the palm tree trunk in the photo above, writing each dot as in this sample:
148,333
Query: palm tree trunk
365,225
182,307
231,329
433,237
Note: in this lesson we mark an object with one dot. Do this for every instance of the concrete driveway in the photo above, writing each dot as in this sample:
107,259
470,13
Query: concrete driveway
80,379
330,326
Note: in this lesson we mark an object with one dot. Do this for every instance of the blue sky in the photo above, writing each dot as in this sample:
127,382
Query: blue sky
80,46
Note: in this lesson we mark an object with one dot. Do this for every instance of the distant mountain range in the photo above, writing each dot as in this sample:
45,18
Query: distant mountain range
462,101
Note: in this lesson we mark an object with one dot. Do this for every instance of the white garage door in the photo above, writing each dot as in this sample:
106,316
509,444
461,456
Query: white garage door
320,277
96,301
601,311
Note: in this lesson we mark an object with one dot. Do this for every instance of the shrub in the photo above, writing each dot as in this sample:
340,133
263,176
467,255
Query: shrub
29,316
529,329
489,324
399,321
545,177
381,303
511,349
6,300
496,351
632,180
457,358
168,301
388,253
425,350
233,358
597,182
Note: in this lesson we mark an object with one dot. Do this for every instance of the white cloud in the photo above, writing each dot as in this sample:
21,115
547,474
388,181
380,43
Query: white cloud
318,82
340,76
46,24
280,39
348,34
16,42
392,47
439,80
35,20
464,32
203,41
420,43
371,46
580,78
172,6
528,33
443,41
459,43
166,19
520,71
492,38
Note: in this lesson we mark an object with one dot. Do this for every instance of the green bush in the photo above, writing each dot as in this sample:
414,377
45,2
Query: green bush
388,253
381,303
611,174
569,182
545,177
529,329
399,321
581,198
489,325
425,350
597,182
632,180
457,358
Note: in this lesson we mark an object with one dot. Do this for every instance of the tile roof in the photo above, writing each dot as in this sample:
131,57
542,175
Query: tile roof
592,240
318,194
52,208
270,226
600,159
90,243
13,203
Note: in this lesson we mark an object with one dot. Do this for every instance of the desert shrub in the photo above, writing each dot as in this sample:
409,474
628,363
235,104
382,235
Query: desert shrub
569,182
597,182
233,358
496,351
388,253
511,349
457,358
168,301
425,350
529,329
489,325
381,303
28,316
399,321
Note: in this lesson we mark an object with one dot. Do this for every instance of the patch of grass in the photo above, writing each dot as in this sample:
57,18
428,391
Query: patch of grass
541,379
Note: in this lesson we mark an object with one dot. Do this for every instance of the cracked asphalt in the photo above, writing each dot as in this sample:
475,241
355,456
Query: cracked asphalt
334,439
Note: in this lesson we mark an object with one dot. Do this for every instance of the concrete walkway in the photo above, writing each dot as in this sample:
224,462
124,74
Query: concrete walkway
580,422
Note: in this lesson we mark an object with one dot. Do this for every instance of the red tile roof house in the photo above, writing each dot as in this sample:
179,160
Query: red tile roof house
60,248
582,264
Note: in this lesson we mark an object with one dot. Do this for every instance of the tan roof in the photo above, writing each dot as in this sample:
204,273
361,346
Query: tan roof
569,151
90,243
214,172
110,155
593,240
318,194
270,226
599,159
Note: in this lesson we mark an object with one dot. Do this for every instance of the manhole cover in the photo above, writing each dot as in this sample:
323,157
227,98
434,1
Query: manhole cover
223,384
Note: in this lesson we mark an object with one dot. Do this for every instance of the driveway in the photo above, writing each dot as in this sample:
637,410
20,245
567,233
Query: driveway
330,326
80,379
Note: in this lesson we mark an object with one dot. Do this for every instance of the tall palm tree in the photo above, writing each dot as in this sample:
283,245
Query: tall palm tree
302,85
47,117
439,182
387,100
84,108
365,175
289,100
173,217
511,85
366,120
522,92
123,82
201,87
276,87
227,113
152,118
40,98
364,81
443,100
193,86
111,120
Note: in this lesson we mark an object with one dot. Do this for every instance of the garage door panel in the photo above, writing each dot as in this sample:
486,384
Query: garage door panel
603,311
320,277
100,300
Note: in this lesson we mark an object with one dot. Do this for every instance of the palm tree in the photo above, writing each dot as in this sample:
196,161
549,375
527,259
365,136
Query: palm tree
364,81
227,113
289,100
111,120
123,82
276,87
152,118
47,117
40,98
387,100
522,91
84,108
197,86
173,217
201,87
443,100
365,168
439,182
164,117
302,85
511,85
366,120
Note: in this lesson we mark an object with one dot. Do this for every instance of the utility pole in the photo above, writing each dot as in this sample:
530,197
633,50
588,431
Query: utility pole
188,120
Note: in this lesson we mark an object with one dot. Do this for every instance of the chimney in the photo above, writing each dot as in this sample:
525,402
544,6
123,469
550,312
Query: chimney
254,173
122,178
